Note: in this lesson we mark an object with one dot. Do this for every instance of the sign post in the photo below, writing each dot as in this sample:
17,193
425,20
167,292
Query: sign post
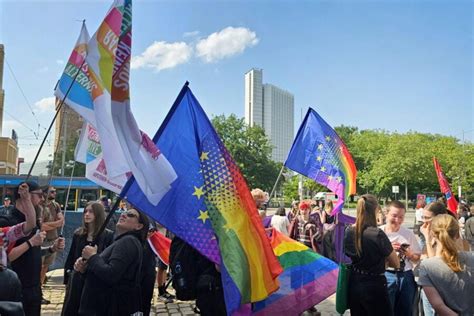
396,190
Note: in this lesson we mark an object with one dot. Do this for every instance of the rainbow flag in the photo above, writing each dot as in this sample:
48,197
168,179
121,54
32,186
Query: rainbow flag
125,148
320,154
74,83
307,279
209,206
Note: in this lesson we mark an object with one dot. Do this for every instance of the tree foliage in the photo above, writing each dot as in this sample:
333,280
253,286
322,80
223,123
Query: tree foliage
385,159
250,149
79,169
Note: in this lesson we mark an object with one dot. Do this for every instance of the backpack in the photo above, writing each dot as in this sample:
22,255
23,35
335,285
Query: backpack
183,259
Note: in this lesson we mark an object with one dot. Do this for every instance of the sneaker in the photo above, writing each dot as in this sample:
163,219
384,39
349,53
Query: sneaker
45,301
166,297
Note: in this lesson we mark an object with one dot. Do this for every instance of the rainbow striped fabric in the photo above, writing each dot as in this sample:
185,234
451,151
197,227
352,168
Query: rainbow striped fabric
307,279
75,83
320,154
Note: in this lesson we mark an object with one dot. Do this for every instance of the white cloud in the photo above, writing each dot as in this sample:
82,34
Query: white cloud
163,55
225,43
46,104
8,125
191,34
59,61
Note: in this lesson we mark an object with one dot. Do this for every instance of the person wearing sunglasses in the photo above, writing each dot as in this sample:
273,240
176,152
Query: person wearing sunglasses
51,221
112,284
25,257
10,289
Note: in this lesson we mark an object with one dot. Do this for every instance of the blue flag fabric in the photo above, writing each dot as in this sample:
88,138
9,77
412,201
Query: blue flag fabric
175,137
210,206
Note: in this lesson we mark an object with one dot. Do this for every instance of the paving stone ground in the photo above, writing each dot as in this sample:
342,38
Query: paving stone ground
54,291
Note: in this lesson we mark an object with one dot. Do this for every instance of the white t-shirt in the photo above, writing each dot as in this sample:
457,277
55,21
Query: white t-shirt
404,236
419,214
280,223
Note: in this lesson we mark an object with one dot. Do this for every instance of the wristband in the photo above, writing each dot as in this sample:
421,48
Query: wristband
29,244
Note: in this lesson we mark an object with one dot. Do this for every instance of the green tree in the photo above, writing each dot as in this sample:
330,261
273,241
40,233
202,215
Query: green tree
250,149
79,169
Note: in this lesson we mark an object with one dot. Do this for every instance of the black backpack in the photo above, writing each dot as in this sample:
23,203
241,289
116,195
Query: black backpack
183,264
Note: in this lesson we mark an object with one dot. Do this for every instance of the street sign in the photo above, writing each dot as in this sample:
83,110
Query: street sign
395,189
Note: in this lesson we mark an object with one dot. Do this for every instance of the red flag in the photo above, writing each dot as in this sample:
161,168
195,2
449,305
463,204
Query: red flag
445,188
160,246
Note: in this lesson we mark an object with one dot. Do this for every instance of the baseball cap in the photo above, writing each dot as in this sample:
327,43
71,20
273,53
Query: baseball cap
32,185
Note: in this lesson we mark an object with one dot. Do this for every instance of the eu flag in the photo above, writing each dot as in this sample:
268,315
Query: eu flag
320,154
209,204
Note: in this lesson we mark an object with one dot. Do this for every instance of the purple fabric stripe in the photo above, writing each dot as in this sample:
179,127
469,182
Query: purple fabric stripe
304,297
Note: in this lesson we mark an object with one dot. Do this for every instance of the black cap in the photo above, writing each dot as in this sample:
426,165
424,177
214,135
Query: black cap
32,185
6,198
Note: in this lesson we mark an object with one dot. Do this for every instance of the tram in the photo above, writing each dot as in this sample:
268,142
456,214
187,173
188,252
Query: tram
82,190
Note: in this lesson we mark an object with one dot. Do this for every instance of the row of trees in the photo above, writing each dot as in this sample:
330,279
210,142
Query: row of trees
383,159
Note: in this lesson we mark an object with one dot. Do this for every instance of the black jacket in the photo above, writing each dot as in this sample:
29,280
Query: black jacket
111,279
78,243
75,280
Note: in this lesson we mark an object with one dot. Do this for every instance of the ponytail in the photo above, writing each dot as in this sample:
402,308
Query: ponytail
446,230
366,208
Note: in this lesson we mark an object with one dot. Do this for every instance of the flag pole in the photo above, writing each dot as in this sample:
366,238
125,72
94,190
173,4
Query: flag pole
55,116
276,182
67,197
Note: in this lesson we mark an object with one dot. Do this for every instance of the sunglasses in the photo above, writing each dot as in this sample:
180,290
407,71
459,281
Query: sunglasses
130,214
52,191
37,193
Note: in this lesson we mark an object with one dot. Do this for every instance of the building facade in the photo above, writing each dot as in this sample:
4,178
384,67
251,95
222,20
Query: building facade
272,108
8,146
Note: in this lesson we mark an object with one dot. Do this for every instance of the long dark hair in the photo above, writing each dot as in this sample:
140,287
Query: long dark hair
143,219
99,219
366,210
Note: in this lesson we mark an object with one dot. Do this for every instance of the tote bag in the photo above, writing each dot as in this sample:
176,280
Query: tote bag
342,291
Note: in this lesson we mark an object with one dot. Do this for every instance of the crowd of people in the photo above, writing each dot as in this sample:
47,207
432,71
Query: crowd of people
112,271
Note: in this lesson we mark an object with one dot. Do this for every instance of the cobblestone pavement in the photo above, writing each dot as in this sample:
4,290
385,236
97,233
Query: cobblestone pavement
54,291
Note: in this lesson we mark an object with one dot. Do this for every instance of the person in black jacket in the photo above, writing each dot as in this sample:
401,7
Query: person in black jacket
112,285
92,220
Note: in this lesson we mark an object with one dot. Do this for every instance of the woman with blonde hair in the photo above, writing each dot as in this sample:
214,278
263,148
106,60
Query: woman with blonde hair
369,249
447,278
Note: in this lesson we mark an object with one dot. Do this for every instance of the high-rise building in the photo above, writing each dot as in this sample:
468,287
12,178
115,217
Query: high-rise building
8,146
271,108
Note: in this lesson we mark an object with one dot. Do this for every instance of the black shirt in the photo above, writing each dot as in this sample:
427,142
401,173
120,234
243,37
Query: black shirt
376,247
28,265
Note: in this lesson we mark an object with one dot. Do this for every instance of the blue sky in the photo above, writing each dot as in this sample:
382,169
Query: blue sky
394,65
